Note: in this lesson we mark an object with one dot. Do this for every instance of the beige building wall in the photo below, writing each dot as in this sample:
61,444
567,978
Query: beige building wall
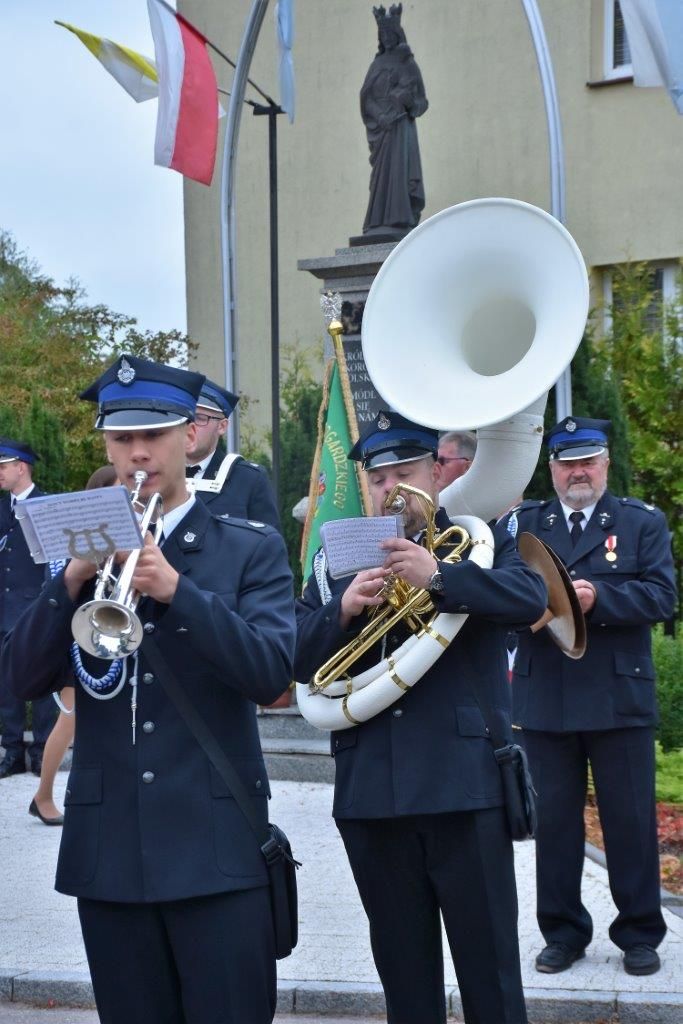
483,135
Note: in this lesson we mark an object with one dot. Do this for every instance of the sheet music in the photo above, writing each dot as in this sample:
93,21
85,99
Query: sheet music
351,545
85,524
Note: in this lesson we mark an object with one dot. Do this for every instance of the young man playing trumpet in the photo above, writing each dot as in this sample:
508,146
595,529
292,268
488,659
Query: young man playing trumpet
171,883
418,798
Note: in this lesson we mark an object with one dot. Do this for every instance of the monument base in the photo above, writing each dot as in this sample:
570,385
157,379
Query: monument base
351,272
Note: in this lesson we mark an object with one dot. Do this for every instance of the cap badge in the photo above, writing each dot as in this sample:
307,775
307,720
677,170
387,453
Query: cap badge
189,537
125,373
570,426
383,423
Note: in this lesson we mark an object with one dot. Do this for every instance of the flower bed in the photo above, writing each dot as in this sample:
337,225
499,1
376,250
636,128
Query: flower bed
669,832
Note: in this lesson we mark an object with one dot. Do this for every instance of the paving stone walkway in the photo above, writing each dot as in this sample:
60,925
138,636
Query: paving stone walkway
331,971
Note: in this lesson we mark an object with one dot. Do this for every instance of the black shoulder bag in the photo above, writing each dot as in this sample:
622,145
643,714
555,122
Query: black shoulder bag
519,794
274,844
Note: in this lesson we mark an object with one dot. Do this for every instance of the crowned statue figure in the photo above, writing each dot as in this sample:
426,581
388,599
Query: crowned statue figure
392,96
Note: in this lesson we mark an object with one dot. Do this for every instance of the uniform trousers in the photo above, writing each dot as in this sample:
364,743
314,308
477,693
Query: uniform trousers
623,769
13,715
206,960
408,869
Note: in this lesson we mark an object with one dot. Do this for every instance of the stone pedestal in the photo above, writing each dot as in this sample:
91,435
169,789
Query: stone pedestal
351,272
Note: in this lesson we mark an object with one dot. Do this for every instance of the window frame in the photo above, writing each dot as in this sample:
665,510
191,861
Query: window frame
609,70
670,271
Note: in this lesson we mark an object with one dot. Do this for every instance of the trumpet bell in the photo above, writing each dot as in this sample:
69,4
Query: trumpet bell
486,303
106,629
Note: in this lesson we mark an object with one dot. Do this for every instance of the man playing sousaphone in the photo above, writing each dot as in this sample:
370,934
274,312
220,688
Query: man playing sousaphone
418,798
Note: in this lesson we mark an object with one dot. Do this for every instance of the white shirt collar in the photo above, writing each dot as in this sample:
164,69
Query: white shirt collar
587,513
175,516
203,465
22,496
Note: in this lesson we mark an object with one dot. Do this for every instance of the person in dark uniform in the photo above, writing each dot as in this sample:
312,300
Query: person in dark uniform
20,582
226,482
600,709
171,883
417,796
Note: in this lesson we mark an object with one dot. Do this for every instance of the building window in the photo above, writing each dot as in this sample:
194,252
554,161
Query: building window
664,284
617,51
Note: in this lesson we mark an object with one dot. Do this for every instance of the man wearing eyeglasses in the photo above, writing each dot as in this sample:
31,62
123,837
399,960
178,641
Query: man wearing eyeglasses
456,451
227,483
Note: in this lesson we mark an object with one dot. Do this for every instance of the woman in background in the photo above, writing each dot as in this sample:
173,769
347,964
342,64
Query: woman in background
61,738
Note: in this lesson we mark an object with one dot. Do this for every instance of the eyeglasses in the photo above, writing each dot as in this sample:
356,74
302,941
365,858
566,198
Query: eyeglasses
202,419
443,459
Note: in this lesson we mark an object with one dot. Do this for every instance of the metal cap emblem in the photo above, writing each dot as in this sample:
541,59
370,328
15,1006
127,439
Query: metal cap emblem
570,426
126,373
383,423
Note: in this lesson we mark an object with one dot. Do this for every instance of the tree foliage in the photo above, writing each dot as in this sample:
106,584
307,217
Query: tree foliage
52,346
596,396
641,354
300,398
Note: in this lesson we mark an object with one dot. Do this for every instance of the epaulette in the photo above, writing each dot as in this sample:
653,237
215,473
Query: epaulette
530,503
247,524
251,465
637,503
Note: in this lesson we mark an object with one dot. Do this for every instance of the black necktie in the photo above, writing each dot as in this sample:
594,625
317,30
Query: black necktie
191,471
577,529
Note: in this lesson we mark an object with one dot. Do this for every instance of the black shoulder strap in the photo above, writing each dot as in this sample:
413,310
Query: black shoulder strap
204,737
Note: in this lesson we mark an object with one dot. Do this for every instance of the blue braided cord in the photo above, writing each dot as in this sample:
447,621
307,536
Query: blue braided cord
87,681
513,525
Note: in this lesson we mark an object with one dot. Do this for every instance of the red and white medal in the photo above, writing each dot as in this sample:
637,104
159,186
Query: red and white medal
611,545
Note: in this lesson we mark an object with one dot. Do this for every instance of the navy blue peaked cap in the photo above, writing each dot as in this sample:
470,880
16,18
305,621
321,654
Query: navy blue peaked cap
11,451
576,437
391,438
136,394
213,396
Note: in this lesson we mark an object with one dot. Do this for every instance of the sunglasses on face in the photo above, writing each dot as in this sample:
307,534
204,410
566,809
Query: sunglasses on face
443,459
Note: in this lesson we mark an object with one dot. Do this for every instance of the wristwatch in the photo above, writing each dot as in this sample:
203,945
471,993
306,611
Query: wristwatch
435,585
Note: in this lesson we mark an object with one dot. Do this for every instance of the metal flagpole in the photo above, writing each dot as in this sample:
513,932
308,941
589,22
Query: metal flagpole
563,387
240,80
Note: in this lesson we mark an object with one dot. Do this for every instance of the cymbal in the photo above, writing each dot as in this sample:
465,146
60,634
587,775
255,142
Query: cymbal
563,619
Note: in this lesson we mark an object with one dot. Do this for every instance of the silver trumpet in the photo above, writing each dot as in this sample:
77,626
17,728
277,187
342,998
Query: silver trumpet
108,627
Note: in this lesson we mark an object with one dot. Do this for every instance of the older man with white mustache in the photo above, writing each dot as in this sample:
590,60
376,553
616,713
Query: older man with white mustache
600,709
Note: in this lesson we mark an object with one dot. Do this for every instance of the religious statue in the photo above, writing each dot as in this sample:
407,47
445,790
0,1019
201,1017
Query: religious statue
392,96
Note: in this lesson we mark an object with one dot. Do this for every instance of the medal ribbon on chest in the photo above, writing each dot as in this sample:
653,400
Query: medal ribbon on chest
611,545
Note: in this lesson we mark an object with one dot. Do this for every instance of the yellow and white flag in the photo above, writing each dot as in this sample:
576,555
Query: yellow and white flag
134,72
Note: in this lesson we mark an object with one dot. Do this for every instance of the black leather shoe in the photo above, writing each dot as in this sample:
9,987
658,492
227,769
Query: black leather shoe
36,765
641,959
557,957
11,766
33,809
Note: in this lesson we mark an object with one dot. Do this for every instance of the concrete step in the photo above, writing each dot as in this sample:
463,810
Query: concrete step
299,760
287,723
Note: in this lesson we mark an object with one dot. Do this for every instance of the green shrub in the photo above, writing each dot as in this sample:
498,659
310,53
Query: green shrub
668,657
669,775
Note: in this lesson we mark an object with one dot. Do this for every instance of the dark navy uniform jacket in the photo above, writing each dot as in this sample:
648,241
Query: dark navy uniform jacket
246,494
154,821
613,685
428,753
20,577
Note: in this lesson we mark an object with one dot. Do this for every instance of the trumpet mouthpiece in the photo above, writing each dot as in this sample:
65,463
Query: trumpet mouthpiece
140,477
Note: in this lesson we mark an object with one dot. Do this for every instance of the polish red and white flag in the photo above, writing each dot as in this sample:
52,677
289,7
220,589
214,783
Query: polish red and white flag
187,119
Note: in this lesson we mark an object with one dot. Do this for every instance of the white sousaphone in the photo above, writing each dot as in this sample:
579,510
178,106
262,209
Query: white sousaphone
471,319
